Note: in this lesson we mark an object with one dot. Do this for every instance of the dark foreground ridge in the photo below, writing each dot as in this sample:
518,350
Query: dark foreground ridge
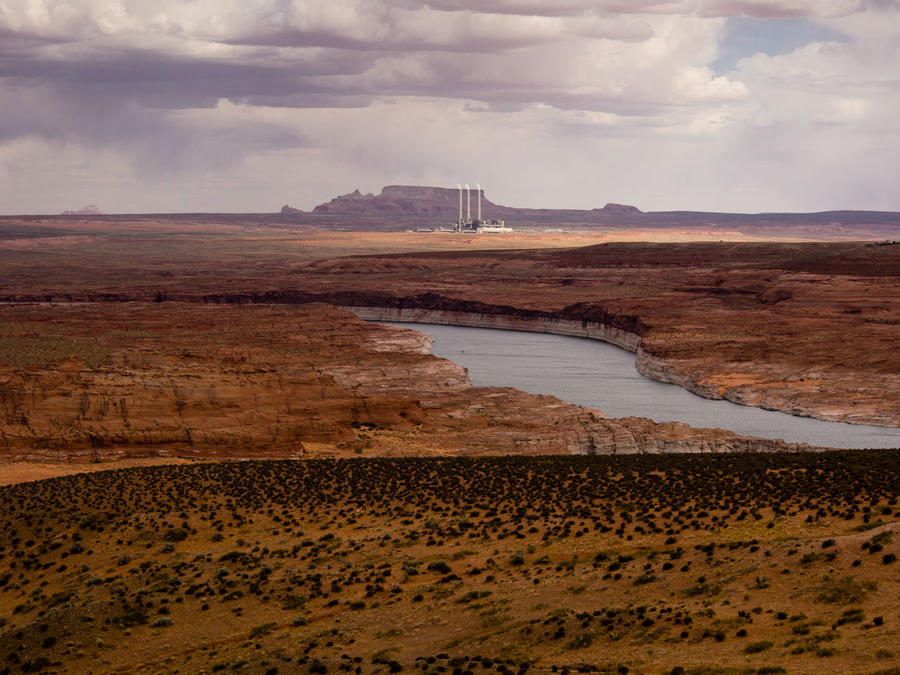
592,564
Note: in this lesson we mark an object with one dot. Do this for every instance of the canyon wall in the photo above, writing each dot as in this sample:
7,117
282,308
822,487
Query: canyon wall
583,329
648,365
585,320
252,381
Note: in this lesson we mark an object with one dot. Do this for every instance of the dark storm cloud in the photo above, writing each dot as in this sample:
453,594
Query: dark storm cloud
432,29
521,7
719,8
116,96
166,80
315,54
14,44
157,139
402,45
779,9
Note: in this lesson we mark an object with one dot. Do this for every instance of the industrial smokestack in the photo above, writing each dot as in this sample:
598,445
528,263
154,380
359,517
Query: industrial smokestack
468,205
459,220
478,188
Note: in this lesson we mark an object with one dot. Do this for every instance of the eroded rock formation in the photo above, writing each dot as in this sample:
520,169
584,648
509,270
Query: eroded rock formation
806,329
173,379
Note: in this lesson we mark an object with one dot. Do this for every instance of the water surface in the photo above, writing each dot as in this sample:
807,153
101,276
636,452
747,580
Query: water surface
600,375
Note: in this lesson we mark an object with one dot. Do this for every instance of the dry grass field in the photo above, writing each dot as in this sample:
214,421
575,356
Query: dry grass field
698,564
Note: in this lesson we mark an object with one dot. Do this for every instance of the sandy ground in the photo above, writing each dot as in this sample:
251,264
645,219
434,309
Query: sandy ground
12,473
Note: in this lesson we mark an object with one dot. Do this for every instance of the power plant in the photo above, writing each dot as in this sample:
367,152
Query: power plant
478,225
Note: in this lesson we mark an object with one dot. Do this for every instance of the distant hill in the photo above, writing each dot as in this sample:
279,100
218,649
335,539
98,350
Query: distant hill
88,210
412,207
403,206
439,206
405,200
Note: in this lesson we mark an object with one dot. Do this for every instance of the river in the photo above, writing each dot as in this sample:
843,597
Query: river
600,375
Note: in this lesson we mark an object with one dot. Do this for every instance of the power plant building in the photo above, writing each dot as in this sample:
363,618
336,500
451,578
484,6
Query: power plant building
478,224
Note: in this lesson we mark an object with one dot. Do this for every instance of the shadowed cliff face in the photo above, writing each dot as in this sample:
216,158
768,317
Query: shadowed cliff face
187,380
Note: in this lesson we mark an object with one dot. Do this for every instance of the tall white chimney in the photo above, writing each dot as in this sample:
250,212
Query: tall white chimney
468,205
459,220
478,187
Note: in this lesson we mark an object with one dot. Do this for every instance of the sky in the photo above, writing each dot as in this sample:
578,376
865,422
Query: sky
247,105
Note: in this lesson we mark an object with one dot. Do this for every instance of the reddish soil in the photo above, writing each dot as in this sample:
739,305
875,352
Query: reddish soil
737,562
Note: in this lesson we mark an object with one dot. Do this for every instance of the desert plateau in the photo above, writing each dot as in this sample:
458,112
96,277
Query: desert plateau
449,337
273,484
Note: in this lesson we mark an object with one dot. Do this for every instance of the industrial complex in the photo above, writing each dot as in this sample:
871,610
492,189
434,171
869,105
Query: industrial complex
478,225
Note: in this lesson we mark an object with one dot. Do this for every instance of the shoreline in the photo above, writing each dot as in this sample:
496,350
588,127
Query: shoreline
646,364
534,321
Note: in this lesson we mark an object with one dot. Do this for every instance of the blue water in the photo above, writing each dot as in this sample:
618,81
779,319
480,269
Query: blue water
600,375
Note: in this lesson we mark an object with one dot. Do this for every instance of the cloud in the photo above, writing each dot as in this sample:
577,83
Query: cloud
780,9
156,141
346,52
371,91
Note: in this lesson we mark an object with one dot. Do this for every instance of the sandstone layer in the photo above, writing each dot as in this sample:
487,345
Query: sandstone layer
809,329
585,329
117,380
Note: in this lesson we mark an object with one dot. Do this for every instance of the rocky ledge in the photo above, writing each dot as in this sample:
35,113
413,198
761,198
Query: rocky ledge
806,329
744,392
